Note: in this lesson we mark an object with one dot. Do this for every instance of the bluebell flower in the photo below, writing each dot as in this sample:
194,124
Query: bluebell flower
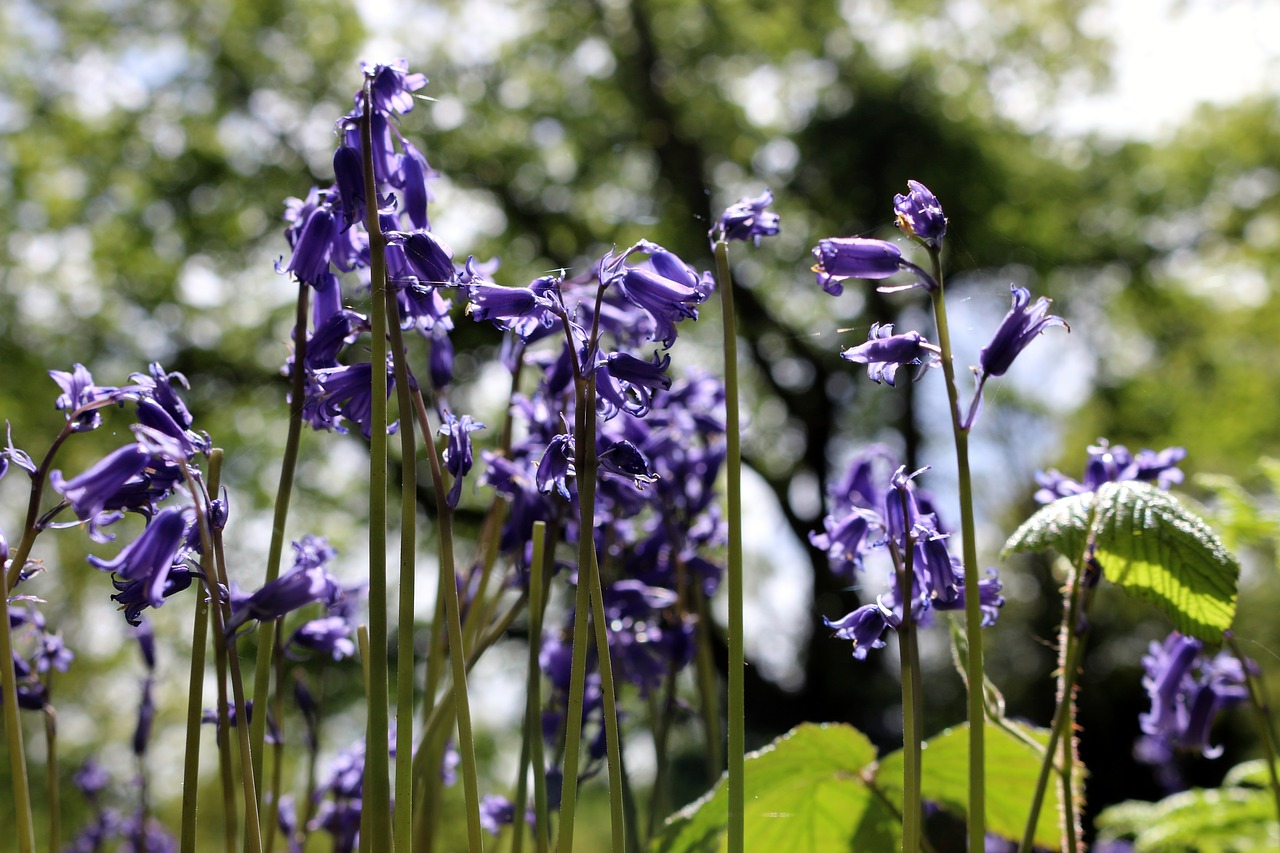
91,778
1109,463
297,588
150,568
846,540
747,219
625,459
457,453
556,466
329,635
864,627
137,595
428,256
80,394
664,287
920,215
627,383
1187,691
520,309
348,173
495,813
146,716
415,170
884,352
440,358
345,393
313,247
393,86
1018,329
98,488
839,258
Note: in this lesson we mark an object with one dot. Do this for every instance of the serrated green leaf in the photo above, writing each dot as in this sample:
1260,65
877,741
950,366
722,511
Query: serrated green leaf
1062,525
1217,820
1152,547
806,792
1249,774
1012,765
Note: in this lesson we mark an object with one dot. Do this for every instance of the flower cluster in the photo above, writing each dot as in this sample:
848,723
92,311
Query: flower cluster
1188,689
1113,464
873,513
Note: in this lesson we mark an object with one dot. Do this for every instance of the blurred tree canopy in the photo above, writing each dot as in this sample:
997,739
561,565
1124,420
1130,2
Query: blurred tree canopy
147,148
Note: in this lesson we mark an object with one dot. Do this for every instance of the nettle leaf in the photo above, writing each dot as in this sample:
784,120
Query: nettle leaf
1062,525
806,792
1014,753
1149,545
1215,820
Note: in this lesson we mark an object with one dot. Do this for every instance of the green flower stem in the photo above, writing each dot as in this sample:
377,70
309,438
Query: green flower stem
533,711
277,749
31,529
733,489
1258,701
972,610
51,768
707,690
613,742
427,780
912,716
284,492
457,651
24,830
362,643
226,769
406,660
377,770
195,687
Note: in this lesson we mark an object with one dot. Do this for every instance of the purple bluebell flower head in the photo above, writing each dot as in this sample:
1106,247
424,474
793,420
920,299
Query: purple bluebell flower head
495,813
1109,463
662,286
329,635
627,383
414,174
297,588
91,778
348,173
864,627
79,393
440,359
990,601
1187,690
345,393
393,86
625,459
457,453
920,215
556,466
313,248
846,540
1018,329
428,256
523,310
854,257
99,487
747,219
149,569
884,352
53,654
146,638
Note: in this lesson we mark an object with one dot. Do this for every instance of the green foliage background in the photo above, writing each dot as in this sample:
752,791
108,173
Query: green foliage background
146,149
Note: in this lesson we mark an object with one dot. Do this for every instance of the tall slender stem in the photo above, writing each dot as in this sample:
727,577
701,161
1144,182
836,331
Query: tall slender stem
25,828
972,576
406,660
533,728
733,493
912,703
377,770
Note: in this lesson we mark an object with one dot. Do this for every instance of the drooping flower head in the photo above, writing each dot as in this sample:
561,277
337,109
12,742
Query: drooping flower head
457,454
1187,690
747,219
661,285
920,215
79,393
1018,329
1110,463
884,352
839,258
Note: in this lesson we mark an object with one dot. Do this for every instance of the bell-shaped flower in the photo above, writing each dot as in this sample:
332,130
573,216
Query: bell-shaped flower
99,487
747,219
662,286
864,627
884,352
457,453
393,86
80,395
625,459
556,466
297,588
920,215
1018,329
839,258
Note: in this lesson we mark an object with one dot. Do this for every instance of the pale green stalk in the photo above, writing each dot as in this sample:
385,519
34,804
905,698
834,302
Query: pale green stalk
733,576
51,768
362,642
377,770
709,703
406,660
284,493
277,749
533,729
912,701
195,686
457,650
972,576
